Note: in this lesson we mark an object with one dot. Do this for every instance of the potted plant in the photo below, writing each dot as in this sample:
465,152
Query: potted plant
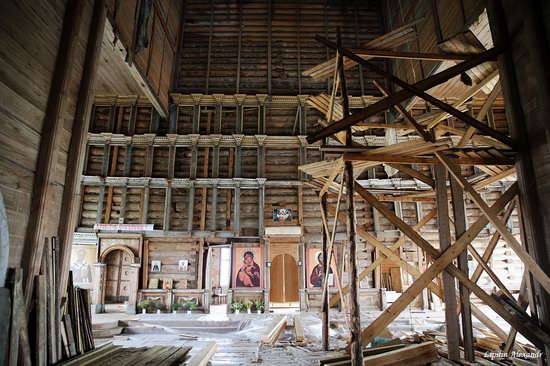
159,306
191,306
236,306
248,306
259,305
144,305
176,306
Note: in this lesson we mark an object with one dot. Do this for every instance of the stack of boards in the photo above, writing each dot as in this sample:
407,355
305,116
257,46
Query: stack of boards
392,355
150,356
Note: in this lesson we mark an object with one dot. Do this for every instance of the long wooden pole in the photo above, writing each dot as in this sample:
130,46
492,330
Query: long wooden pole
325,307
354,310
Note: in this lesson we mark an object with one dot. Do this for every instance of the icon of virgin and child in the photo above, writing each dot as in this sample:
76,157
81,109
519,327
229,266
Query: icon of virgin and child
249,273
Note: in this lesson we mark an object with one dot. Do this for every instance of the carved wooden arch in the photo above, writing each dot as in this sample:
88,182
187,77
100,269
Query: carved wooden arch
103,257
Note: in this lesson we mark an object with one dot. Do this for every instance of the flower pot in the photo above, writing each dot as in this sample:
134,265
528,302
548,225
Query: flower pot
189,311
158,311
144,311
174,311
237,311
259,311
249,311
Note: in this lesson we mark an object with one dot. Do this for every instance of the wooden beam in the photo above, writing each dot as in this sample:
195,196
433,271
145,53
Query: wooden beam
441,261
481,114
403,95
528,261
386,158
43,202
75,160
449,284
325,299
493,243
426,56
530,199
417,91
473,90
414,173
459,216
495,178
356,348
364,234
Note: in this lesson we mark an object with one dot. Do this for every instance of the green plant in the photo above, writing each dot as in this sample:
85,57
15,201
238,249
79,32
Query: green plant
159,306
177,306
191,305
248,305
144,304
236,306
259,305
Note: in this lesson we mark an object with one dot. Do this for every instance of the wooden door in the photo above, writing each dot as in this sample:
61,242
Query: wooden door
284,286
117,287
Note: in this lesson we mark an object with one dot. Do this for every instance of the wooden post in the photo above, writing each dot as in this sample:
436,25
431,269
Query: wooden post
43,202
459,215
529,197
325,307
41,321
449,285
354,310
75,161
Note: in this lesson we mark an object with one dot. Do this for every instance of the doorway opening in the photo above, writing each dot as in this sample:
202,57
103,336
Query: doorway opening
284,287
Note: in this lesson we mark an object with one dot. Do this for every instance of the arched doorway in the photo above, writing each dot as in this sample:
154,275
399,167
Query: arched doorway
117,286
284,286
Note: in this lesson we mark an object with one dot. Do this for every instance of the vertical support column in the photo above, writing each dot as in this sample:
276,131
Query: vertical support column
459,215
145,202
106,156
128,158
240,122
214,208
238,154
100,203
122,215
528,196
237,207
112,116
267,277
173,118
191,206
193,169
171,155
261,155
167,206
325,300
261,113
133,117
218,119
196,112
356,349
98,304
149,161
216,156
261,204
449,286
155,120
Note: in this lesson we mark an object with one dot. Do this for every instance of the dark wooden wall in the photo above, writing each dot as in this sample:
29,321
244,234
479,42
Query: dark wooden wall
263,46
30,34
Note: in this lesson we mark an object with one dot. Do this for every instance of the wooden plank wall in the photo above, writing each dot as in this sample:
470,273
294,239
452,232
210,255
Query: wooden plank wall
155,61
169,251
29,37
263,46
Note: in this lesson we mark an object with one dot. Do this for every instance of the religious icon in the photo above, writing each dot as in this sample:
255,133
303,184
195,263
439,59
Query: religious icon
314,269
155,266
82,257
183,265
247,272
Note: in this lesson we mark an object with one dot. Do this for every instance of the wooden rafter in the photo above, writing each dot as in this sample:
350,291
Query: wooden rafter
402,95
